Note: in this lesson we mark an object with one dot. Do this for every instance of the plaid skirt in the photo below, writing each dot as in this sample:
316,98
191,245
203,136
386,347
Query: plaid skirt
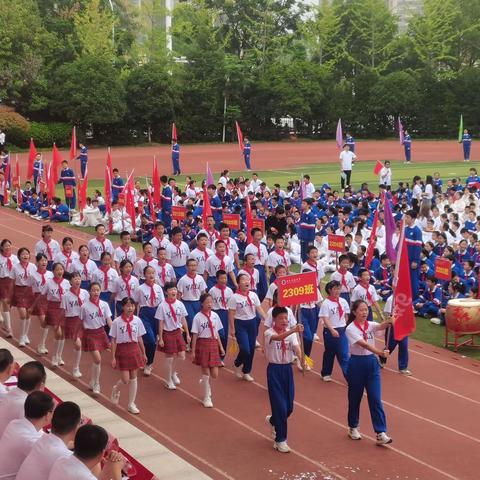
207,353
129,356
94,339
173,342
73,328
40,304
5,285
55,315
22,297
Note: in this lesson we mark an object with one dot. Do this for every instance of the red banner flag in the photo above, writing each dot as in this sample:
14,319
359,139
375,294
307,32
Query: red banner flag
378,167
151,207
82,194
207,209
130,201
108,191
157,198
336,243
6,176
32,153
232,220
73,145
443,269
57,161
239,136
297,289
248,219
179,212
174,132
402,313
372,243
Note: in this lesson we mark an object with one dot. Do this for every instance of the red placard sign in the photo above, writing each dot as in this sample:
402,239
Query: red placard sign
259,223
179,213
232,220
336,243
121,200
296,289
68,191
443,268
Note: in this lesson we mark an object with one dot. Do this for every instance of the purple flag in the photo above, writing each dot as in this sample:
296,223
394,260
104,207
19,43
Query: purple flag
400,131
389,230
339,136
210,179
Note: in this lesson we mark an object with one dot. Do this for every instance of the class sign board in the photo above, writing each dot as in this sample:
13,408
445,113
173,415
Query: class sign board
297,289
232,220
336,243
443,269
179,213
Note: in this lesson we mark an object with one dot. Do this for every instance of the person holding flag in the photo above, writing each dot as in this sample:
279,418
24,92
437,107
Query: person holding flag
347,158
413,239
385,176
407,145
350,141
83,157
247,148
37,171
67,178
467,145
176,157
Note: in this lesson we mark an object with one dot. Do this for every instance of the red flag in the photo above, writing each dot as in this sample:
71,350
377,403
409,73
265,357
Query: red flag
129,199
378,167
174,133
373,239
32,153
6,175
151,207
207,209
108,194
57,161
239,137
82,194
73,145
402,313
156,185
248,218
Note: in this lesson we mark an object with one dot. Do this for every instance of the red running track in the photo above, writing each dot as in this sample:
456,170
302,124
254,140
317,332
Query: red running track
265,156
432,416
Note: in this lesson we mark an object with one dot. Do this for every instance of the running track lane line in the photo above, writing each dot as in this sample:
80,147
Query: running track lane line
342,426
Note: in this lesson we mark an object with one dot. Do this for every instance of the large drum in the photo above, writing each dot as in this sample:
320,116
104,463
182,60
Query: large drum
462,316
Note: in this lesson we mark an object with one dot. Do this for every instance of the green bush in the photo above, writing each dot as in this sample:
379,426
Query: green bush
45,134
15,126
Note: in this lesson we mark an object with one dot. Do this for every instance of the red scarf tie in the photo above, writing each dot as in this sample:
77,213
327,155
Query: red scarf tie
210,324
222,289
126,281
43,276
252,278
222,261
163,275
283,343
85,269
97,304
227,244
368,294
9,262
343,273
247,295
105,269
153,297
313,265
125,250
25,270
128,321
49,250
362,329
178,247
259,251
205,254
59,281
148,260
102,241
68,257
77,294
212,236
281,253
339,305
385,274
172,310
192,277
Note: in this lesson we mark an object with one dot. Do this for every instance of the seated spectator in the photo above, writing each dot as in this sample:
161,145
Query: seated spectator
6,369
428,304
62,212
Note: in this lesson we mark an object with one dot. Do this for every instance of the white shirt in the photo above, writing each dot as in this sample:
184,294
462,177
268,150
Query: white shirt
354,335
191,289
16,443
273,348
259,259
46,451
417,192
292,321
307,267
177,255
274,259
214,263
309,189
166,271
232,247
36,280
52,289
21,275
99,276
143,295
201,328
212,238
65,260
142,264
164,314
71,304
157,243
41,247
119,330
272,288
120,287
347,159
216,294
388,308
96,248
70,467
243,310
254,277
130,254
349,280
91,317
12,407
330,309
86,270
4,271
201,257
360,293
385,176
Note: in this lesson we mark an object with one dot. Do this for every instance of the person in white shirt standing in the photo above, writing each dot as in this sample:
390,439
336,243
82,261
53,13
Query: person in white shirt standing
385,176
347,159
49,448
20,435
281,345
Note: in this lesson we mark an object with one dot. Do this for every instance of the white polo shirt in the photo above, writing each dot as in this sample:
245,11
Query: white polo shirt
201,328
201,256
96,248
142,264
121,290
70,467
243,310
254,277
125,254
349,280
49,251
119,330
214,264
51,289
21,276
232,247
347,159
260,253
71,304
164,314
360,293
86,270
308,267
157,243
354,334
165,274
144,294
292,321
177,254
91,316
274,259
273,348
330,310
191,288
99,276
4,271
220,302
65,260
36,280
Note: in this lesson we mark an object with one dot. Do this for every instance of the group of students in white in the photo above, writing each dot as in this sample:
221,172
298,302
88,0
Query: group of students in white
176,300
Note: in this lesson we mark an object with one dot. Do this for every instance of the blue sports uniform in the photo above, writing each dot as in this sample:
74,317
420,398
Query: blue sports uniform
350,141
176,158
467,145
307,232
407,145
67,178
247,148
83,157
413,237
117,188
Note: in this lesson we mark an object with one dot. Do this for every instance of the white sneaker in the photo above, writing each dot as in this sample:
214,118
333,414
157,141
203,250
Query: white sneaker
170,385
132,408
21,342
307,368
383,439
299,365
406,372
435,321
257,344
27,340
273,432
96,389
77,373
354,434
147,371
327,378
60,361
238,371
41,350
207,402
91,385
175,378
54,361
115,396
247,377
281,447
316,337
8,334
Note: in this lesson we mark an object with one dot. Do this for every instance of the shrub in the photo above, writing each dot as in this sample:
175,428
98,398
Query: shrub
15,126
45,134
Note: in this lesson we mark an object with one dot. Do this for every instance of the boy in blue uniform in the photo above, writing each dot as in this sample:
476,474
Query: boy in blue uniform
167,196
413,237
350,141
62,213
83,157
37,170
428,304
467,144
215,204
67,178
407,145
176,158
473,179
117,185
307,228
247,148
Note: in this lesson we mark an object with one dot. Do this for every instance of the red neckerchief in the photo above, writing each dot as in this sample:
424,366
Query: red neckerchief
97,304
128,321
159,239
222,289
281,253
77,294
194,285
59,281
25,269
313,265
247,295
385,274
222,261
67,256
284,344
252,278
102,242
43,275
363,330
339,305
259,250
9,262
153,296
179,250
126,281
172,310
85,270
105,269
343,273
210,324
163,275
49,250
367,293
125,250
205,254
227,244
148,260
213,235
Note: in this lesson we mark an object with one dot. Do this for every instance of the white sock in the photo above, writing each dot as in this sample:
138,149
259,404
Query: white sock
206,386
27,326
24,328
8,321
2,316
169,367
44,337
132,390
96,373
76,359
60,345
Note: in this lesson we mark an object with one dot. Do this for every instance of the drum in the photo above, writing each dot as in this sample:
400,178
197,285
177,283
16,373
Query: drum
462,316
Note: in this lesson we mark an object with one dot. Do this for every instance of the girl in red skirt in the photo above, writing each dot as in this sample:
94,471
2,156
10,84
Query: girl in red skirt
67,255
7,261
128,352
206,345
54,289
84,266
172,314
72,302
95,314
39,308
22,297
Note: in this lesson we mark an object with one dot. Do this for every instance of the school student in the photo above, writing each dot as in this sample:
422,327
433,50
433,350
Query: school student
48,246
7,366
345,277
368,293
177,252
219,261
128,352
99,244
201,253
125,285
171,315
260,252
7,261
206,345
221,294
249,269
364,372
105,275
147,260
165,271
281,345
124,251
85,266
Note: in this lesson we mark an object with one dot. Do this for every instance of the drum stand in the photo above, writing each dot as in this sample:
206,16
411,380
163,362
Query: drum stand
457,343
